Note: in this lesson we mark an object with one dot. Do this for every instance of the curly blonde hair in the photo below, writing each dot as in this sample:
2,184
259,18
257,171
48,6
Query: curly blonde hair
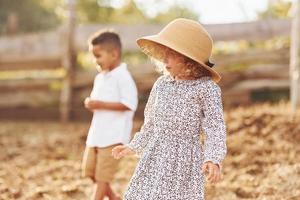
157,54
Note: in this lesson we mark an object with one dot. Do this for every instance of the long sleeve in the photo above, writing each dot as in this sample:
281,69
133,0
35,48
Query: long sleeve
213,124
141,138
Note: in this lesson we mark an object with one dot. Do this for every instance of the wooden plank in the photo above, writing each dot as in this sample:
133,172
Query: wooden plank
68,62
42,63
295,58
29,98
258,84
47,45
251,56
31,50
17,85
275,71
29,113
250,31
280,56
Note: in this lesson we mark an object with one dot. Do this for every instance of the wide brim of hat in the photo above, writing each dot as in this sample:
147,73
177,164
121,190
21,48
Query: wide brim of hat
146,42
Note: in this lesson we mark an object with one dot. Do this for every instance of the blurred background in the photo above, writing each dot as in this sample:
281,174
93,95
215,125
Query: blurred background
46,72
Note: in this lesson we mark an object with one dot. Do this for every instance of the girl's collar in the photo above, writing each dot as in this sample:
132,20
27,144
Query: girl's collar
170,78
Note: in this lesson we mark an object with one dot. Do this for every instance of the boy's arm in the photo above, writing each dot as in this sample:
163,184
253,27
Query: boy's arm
95,105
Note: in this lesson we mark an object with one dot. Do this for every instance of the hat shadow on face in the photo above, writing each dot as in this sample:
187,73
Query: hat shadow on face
191,69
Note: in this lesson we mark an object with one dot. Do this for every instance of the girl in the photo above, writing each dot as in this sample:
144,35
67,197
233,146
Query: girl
173,162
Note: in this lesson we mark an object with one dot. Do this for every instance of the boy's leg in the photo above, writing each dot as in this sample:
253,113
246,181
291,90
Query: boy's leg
111,195
106,168
88,165
100,190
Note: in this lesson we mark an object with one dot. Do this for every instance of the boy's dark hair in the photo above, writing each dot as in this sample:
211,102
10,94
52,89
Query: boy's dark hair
107,38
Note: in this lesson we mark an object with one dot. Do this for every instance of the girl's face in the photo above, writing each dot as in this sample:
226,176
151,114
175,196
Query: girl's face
174,63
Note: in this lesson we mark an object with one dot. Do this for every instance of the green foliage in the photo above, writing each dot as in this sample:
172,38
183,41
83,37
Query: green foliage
277,9
31,14
35,15
173,13
129,14
91,11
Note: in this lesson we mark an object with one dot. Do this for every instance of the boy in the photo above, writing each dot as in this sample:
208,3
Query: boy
113,101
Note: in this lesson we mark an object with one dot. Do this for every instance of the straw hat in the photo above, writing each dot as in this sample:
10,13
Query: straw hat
186,37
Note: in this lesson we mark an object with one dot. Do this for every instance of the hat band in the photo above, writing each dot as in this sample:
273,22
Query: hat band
208,63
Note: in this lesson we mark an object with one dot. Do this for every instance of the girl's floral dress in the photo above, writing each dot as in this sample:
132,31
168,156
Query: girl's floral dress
169,145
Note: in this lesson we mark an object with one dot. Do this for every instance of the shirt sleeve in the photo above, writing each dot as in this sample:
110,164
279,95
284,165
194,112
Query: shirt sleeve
128,92
141,138
213,124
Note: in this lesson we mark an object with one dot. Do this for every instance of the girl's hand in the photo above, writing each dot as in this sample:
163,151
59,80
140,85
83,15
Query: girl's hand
121,151
212,172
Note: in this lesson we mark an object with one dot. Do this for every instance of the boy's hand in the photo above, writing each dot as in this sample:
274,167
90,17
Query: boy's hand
212,172
90,104
86,103
121,151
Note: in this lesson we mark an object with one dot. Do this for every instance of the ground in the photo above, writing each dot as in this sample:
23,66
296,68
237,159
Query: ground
41,159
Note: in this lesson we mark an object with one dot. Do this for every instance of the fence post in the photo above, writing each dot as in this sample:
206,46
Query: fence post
68,62
295,57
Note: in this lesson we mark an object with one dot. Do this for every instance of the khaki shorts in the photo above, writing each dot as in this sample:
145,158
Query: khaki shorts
99,164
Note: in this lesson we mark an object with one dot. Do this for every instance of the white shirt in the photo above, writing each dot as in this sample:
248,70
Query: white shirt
110,127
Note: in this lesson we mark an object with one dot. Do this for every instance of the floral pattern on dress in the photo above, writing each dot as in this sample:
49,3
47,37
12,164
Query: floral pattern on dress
168,144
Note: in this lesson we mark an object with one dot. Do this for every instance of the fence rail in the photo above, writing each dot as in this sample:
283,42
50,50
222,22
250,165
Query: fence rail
45,50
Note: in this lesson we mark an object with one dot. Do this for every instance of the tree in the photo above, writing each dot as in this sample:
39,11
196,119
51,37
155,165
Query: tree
93,11
28,16
173,13
35,15
276,9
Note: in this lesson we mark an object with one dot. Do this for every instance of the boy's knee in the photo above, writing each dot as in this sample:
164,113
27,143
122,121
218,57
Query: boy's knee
100,183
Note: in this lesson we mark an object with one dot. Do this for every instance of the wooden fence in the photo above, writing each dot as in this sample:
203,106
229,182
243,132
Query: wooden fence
48,51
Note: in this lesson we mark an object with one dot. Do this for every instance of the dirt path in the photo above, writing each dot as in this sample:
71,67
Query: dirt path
41,160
